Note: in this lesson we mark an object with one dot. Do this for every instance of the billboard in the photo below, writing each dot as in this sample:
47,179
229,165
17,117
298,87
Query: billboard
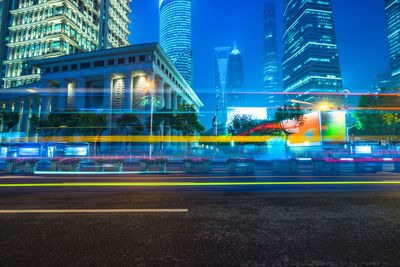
319,126
309,132
333,126
253,113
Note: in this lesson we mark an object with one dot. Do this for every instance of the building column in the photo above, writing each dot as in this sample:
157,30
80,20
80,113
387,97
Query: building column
128,91
19,108
107,106
167,97
80,93
26,116
159,87
63,94
174,101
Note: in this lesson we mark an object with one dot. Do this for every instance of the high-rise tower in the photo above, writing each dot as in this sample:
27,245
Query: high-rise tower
221,70
235,79
392,8
5,6
176,34
311,58
43,28
271,71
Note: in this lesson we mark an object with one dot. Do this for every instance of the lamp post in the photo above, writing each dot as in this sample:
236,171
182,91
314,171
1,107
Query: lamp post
148,88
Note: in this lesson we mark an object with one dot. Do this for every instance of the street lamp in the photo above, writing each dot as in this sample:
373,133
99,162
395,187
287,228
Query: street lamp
147,85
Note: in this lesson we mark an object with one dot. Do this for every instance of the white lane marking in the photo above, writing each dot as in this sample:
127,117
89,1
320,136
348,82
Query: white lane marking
94,211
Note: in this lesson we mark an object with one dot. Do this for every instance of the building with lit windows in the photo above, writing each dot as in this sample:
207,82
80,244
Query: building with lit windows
271,71
110,81
235,79
176,34
43,29
392,8
311,58
5,5
222,55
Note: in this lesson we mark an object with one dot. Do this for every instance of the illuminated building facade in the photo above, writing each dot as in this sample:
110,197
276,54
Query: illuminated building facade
392,8
271,72
235,79
43,29
5,5
221,70
110,80
176,34
311,58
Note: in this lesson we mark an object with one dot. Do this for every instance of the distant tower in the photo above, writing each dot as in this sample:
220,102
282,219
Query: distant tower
392,8
176,34
235,79
271,72
311,57
221,70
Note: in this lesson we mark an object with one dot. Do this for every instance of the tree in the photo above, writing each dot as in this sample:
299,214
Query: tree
295,115
186,121
9,120
377,114
89,124
47,126
130,125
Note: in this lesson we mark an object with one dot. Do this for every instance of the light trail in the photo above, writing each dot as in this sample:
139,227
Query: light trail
32,211
194,184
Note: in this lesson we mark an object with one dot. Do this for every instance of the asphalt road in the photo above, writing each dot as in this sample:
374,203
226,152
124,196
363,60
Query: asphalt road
200,220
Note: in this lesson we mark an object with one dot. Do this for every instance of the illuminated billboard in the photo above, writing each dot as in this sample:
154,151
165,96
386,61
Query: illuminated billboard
309,132
253,113
333,126
328,126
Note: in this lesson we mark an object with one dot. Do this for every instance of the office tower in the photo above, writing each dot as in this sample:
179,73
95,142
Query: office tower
39,30
382,80
235,79
271,71
221,69
5,5
176,34
392,8
311,58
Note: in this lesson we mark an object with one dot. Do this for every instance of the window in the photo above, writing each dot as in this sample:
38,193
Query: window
47,70
99,63
131,59
74,66
110,62
121,60
65,68
56,69
142,58
85,65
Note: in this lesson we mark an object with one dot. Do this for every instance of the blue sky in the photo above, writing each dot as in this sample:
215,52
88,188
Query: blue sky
360,27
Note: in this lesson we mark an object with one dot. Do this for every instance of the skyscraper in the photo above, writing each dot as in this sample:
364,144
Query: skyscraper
221,69
392,8
271,71
4,15
235,79
311,58
176,34
39,30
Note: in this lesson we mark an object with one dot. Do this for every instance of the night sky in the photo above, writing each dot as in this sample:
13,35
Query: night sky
360,28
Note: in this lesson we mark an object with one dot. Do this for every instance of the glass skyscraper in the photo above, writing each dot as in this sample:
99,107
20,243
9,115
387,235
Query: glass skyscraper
235,79
222,55
271,72
176,34
39,30
392,8
311,58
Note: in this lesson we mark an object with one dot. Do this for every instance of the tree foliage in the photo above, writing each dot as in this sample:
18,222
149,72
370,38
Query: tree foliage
241,124
376,115
9,120
129,124
294,114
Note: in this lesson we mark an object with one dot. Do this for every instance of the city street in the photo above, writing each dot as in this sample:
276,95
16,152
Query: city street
149,220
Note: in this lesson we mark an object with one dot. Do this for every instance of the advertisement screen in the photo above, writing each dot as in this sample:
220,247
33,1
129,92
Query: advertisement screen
29,151
333,126
253,113
309,132
76,151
